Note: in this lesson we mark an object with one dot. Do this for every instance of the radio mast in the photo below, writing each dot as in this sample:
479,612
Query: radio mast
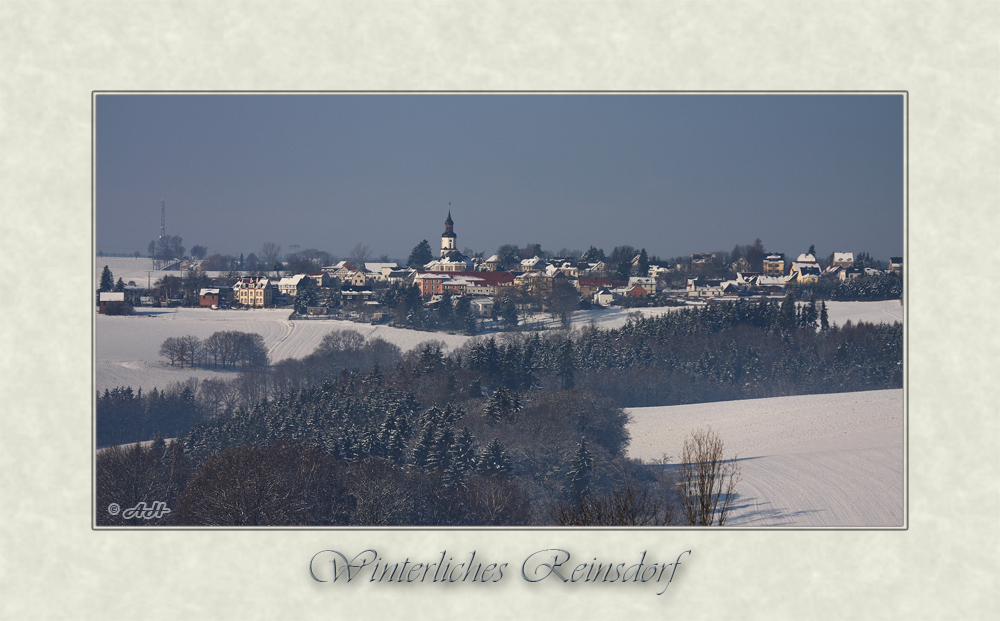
163,218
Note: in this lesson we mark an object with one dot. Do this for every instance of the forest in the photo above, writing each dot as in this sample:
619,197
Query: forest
511,429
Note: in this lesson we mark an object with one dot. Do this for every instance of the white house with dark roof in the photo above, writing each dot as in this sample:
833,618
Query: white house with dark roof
804,260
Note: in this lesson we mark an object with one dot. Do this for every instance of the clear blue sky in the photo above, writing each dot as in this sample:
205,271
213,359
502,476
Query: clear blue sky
671,173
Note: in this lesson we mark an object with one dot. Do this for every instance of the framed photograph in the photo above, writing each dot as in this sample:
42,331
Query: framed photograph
500,310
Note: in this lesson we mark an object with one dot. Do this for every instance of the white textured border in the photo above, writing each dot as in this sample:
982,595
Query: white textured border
53,54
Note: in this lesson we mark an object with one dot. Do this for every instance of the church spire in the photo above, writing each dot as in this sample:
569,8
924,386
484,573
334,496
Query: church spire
448,237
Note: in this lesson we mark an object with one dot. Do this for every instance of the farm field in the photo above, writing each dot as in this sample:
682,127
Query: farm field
833,460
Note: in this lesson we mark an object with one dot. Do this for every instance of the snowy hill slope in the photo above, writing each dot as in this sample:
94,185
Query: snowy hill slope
832,460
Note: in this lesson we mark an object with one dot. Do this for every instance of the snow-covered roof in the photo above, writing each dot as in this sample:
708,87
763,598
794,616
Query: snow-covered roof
841,257
493,259
378,267
772,281
112,296
291,280
806,258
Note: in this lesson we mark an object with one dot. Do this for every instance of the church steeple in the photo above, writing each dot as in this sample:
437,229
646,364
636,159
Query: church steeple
448,237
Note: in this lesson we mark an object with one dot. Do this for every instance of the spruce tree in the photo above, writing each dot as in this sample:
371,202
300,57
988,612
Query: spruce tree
565,365
502,406
787,312
810,314
445,310
508,311
471,325
578,477
439,456
423,447
107,280
494,461
824,319
642,269
420,255
461,457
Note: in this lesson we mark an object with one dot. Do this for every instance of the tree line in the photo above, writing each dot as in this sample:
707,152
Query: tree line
228,349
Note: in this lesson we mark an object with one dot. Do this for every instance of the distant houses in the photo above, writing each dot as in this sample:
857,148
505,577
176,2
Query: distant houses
537,283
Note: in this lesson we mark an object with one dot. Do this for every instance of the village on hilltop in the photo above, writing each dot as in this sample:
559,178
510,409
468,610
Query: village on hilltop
463,292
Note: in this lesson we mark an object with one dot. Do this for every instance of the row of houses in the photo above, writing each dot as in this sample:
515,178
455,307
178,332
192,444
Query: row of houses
458,275
804,270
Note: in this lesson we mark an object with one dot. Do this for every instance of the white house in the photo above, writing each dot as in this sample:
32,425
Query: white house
603,297
290,285
843,259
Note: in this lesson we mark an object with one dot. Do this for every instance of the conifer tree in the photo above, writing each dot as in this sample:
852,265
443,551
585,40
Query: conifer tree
439,456
502,405
565,364
787,311
494,461
461,457
824,319
809,314
508,311
422,449
445,310
642,268
578,477
471,325
107,280
420,255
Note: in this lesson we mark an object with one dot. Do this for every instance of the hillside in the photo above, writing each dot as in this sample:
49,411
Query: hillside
833,460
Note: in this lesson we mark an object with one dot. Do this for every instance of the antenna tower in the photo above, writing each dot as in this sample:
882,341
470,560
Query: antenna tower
163,218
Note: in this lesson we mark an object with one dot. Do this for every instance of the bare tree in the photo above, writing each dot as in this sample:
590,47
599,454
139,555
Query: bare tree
360,255
269,254
282,484
381,492
633,504
707,479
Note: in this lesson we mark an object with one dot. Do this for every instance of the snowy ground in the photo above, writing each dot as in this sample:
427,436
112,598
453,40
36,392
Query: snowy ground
816,461
128,347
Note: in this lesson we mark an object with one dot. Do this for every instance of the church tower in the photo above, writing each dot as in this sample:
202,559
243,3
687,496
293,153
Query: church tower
448,237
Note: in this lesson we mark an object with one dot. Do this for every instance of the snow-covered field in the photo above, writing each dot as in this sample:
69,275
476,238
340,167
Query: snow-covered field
128,347
818,460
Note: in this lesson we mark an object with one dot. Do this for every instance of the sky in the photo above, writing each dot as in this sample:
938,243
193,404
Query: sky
672,173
